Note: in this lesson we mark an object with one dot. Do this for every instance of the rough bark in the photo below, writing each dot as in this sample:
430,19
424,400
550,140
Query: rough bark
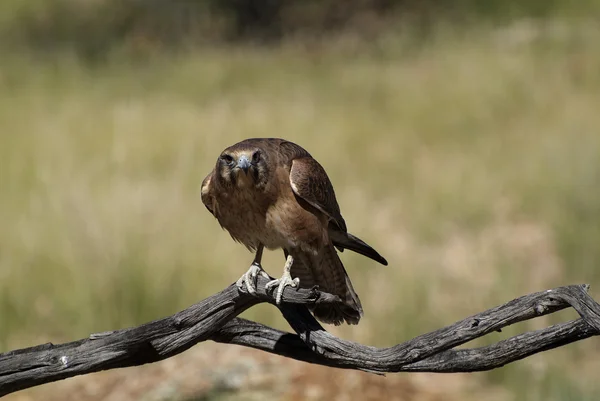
214,318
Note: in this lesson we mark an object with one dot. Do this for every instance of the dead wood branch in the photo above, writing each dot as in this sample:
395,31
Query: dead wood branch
215,319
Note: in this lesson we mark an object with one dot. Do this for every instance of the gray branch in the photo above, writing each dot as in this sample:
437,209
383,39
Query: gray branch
215,319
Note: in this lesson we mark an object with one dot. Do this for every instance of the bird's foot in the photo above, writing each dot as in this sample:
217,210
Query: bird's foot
250,278
281,283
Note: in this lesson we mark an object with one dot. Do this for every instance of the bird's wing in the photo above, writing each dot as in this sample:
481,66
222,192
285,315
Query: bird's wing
206,194
310,182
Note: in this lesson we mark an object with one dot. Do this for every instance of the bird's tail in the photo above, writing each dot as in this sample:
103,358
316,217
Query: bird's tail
332,278
343,240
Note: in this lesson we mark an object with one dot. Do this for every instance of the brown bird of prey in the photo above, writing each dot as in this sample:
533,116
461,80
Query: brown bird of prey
269,192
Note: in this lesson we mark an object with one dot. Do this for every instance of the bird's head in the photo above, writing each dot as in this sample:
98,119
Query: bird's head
243,167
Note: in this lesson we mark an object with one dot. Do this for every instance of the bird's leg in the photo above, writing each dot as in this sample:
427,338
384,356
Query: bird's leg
284,281
251,275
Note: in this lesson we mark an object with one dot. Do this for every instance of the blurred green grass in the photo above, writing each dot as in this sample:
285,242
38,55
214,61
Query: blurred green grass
471,162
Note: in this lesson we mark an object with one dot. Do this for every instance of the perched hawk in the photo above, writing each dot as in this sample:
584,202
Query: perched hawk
269,192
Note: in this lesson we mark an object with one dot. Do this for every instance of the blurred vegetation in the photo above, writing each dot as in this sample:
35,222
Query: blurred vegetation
96,27
470,128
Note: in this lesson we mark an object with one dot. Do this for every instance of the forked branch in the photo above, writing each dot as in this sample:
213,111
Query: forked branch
215,319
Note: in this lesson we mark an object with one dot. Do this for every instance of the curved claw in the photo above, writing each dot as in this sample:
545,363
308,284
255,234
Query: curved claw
281,283
250,278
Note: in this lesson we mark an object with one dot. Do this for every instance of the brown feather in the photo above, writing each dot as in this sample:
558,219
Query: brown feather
328,273
310,182
287,201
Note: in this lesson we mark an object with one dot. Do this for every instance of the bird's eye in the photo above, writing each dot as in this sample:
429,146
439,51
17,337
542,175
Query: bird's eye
256,156
227,158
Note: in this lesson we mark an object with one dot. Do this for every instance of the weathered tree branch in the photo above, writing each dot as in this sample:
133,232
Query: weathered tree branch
215,319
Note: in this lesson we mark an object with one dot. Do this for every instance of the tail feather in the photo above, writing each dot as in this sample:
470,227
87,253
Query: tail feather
331,277
343,240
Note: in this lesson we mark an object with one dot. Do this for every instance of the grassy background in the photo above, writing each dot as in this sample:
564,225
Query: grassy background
476,153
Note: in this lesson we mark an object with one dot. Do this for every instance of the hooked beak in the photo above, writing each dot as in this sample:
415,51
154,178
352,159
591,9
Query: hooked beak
243,163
